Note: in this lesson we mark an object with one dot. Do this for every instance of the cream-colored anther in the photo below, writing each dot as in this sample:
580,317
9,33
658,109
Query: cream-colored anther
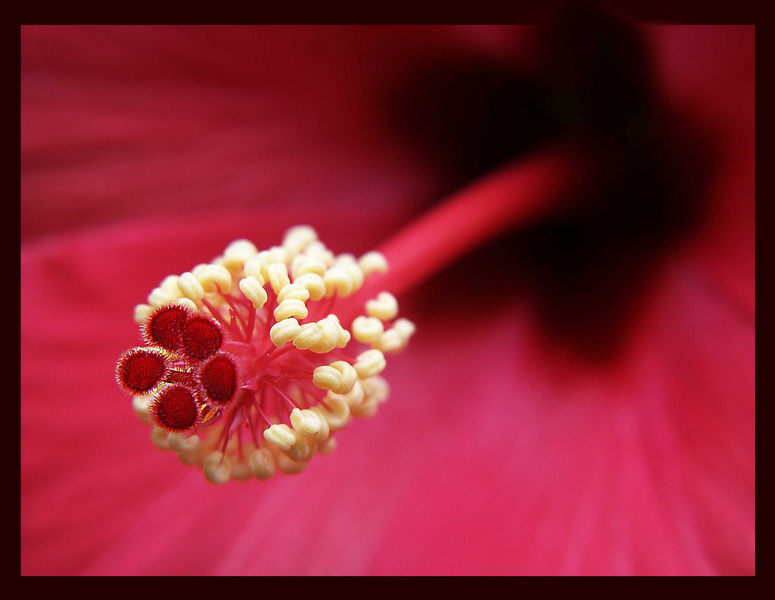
290,308
347,262
240,470
159,437
343,338
338,280
142,408
212,276
327,446
217,468
281,435
199,269
306,422
367,329
318,251
302,450
170,285
284,331
353,397
237,253
313,283
253,291
367,408
304,264
384,307
186,303
338,377
369,363
404,327
158,297
375,388
373,262
329,336
277,275
261,463
293,291
188,448
179,442
391,341
309,335
142,312
326,377
256,267
274,254
297,238
289,466
190,287
335,411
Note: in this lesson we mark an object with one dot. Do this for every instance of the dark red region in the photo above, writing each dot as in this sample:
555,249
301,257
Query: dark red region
165,326
139,370
219,379
201,337
176,408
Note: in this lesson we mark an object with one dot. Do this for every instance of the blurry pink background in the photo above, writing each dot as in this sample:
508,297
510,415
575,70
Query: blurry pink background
526,432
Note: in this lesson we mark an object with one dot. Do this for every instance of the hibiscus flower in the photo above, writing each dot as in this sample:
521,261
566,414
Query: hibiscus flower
579,395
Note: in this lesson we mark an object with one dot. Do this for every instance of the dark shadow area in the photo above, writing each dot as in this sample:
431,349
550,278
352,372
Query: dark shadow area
587,271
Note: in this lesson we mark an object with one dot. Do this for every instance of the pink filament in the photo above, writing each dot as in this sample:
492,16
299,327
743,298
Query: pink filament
523,190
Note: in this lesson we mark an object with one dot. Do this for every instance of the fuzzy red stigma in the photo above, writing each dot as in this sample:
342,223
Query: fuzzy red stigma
176,408
219,378
165,326
140,369
201,337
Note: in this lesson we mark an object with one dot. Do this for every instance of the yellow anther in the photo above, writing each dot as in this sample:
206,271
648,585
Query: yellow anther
313,283
290,308
289,466
237,253
373,262
338,280
277,275
405,327
353,397
142,407
190,287
159,438
297,238
170,285
262,464
309,335
326,377
302,450
375,388
214,275
256,267
307,422
189,449
158,297
217,468
304,264
369,363
327,446
384,307
390,341
142,312
318,251
347,262
293,291
253,291
284,331
367,329
335,411
329,336
187,304
280,435
240,471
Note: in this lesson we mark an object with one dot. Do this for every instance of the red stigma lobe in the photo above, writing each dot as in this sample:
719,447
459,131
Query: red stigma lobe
201,337
165,326
176,408
140,369
219,378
